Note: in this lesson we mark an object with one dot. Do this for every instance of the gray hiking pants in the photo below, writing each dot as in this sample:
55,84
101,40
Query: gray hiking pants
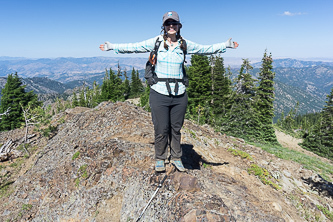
168,113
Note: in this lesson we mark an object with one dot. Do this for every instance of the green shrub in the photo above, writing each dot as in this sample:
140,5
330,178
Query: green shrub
77,182
309,162
26,207
326,212
263,175
193,134
76,155
49,130
5,189
240,153
82,173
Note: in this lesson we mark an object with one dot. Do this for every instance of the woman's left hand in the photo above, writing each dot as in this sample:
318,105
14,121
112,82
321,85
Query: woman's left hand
230,44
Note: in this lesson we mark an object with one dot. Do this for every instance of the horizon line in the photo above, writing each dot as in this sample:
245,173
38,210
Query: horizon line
234,57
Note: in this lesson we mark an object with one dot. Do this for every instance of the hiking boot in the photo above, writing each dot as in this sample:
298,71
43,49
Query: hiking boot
178,164
160,166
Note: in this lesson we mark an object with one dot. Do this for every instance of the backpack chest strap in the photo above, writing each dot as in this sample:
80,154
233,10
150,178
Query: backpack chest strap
170,80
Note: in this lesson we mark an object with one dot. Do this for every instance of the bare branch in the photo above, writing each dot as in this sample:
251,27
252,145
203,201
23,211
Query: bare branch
5,113
6,147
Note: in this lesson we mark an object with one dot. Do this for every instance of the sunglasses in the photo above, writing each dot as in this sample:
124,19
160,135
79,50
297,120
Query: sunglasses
168,23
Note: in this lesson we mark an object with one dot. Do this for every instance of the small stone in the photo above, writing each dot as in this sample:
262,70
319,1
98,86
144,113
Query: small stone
286,173
3,172
191,216
277,206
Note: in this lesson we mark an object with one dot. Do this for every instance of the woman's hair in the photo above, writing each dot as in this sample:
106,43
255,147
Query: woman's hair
178,36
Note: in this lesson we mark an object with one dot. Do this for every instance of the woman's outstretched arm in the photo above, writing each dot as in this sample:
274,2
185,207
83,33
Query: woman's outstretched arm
194,48
138,47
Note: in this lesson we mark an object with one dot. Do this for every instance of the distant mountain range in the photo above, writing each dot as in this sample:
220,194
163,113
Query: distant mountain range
294,63
66,69
305,81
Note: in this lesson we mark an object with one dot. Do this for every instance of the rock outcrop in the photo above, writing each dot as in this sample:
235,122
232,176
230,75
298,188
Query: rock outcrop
99,166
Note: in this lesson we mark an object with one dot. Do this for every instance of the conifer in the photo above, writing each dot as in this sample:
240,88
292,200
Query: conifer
200,88
117,89
140,84
221,87
242,119
96,93
144,99
82,99
265,94
75,103
13,94
105,87
320,140
108,85
134,84
126,86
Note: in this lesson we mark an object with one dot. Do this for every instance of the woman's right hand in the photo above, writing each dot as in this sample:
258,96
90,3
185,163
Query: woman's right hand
102,47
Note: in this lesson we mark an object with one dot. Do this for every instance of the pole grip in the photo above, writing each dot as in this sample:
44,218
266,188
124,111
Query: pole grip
166,175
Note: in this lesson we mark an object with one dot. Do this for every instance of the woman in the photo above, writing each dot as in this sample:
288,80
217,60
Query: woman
168,106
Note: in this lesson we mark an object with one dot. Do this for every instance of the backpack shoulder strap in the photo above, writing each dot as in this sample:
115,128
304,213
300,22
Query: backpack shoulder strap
157,43
184,51
153,54
185,44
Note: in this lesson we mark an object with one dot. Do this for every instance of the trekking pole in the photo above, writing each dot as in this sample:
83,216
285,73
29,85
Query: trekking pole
158,187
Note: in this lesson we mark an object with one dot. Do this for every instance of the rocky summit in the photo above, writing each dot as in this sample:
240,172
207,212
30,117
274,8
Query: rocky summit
99,166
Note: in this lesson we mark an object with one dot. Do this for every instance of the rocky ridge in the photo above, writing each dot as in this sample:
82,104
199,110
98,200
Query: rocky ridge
99,166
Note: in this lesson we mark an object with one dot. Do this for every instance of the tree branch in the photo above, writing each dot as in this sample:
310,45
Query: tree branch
5,113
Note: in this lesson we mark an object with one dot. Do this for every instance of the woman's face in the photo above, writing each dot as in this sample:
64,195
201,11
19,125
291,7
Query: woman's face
171,26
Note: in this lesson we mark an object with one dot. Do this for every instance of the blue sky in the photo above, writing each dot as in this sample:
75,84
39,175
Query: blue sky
71,28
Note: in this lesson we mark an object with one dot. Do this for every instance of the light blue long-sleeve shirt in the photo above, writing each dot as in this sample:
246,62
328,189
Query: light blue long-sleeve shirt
169,62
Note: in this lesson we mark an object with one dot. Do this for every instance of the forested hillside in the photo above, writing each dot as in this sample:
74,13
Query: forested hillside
306,82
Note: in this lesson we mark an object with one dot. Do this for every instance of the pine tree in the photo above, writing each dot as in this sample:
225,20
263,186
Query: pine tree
200,88
75,103
144,99
287,122
141,88
320,140
136,84
82,99
133,85
113,89
108,85
242,119
13,94
117,88
88,97
126,88
265,94
105,87
221,87
96,93
246,84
